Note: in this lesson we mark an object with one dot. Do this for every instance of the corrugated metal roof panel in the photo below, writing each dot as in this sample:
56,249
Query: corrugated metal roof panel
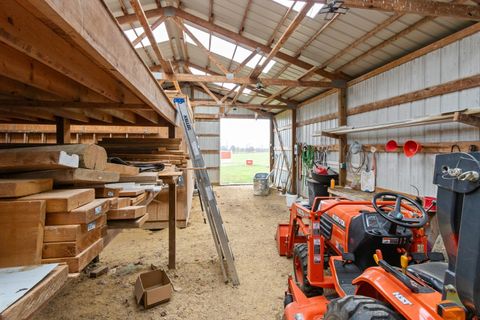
264,15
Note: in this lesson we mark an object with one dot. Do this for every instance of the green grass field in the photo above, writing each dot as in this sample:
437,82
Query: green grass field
237,172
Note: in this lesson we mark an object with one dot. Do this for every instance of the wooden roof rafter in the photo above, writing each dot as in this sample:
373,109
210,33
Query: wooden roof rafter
420,7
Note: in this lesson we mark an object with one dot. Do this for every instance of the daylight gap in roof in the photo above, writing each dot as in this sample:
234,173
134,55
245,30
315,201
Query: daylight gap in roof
226,48
160,34
312,13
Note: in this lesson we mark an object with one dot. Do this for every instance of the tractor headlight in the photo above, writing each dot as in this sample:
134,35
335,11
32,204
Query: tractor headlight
299,316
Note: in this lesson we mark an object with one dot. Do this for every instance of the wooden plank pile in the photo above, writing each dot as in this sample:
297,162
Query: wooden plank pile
161,150
55,205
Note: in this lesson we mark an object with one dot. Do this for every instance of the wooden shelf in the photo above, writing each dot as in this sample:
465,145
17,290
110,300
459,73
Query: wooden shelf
466,116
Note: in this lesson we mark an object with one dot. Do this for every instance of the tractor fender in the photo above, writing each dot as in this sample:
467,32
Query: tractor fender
377,283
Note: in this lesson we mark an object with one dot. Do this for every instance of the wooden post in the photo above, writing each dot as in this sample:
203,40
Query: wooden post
272,146
63,130
171,132
342,121
294,158
172,223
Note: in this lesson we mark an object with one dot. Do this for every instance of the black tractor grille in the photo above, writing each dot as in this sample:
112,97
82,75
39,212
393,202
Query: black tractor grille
326,224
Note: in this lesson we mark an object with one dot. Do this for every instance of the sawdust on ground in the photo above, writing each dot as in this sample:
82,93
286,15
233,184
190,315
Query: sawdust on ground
199,289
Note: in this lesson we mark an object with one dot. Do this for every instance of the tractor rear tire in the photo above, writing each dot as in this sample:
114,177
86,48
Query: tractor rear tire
300,264
359,308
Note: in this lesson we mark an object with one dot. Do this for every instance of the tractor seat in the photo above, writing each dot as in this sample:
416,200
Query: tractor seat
433,273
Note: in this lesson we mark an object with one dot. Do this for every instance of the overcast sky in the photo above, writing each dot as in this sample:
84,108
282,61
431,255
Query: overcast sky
245,132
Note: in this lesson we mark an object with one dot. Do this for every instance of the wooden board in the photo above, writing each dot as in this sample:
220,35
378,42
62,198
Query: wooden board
138,199
16,160
82,215
117,203
121,169
158,225
131,212
131,192
61,233
63,200
145,177
128,224
79,262
90,156
21,232
106,192
34,299
10,188
71,248
73,176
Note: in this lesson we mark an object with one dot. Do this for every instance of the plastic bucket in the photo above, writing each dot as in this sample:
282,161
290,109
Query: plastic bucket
290,198
411,148
391,146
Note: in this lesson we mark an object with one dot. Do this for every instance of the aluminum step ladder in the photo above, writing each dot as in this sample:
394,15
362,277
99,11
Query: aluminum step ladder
225,254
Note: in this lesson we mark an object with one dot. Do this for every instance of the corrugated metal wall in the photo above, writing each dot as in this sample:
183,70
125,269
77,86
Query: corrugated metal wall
208,133
394,171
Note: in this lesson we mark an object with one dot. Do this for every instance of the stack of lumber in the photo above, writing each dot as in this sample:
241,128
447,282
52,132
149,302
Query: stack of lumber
160,150
127,212
75,224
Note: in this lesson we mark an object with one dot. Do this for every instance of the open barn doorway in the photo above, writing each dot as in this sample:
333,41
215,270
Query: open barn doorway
244,149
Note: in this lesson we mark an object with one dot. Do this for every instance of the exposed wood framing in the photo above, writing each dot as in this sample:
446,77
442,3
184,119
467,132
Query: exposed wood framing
246,80
229,34
283,38
420,7
244,18
195,103
78,23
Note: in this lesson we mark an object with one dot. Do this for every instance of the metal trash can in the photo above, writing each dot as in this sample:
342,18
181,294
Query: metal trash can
260,184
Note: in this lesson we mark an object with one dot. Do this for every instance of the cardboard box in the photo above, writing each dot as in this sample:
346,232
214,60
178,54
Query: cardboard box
153,288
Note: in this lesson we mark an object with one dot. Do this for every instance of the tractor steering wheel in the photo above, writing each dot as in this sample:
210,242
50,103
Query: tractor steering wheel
396,216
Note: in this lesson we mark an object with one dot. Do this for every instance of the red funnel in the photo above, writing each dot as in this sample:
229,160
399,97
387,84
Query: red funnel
391,146
411,148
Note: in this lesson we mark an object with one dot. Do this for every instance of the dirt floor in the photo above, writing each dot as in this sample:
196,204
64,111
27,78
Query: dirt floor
199,289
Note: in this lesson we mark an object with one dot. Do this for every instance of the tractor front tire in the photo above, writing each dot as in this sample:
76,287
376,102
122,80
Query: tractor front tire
300,264
359,308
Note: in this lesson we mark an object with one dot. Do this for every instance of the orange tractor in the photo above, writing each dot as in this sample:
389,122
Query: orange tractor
369,260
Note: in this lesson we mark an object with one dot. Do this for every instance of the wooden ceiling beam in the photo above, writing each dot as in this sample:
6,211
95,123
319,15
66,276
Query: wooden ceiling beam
19,103
244,17
154,26
250,87
210,55
393,38
16,89
420,7
186,77
282,40
24,69
137,7
230,35
56,52
243,105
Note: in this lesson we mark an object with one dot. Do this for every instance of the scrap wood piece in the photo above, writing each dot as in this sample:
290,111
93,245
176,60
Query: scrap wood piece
73,176
12,188
91,156
97,272
63,200
81,215
35,298
18,160
21,232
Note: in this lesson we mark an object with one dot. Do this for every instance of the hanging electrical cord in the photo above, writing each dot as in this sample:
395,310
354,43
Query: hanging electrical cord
354,149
